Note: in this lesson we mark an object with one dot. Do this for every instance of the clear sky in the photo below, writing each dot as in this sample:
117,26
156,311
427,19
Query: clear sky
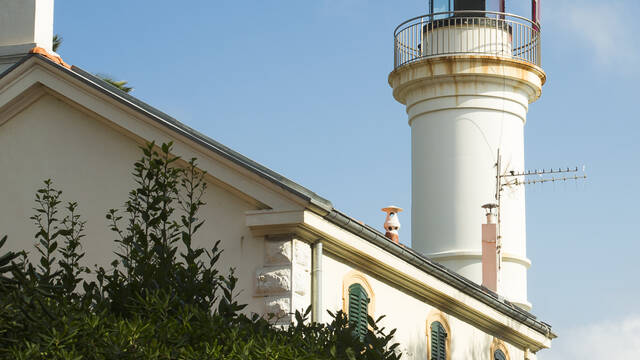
301,87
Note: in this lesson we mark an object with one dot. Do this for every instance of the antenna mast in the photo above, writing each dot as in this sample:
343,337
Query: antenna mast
513,178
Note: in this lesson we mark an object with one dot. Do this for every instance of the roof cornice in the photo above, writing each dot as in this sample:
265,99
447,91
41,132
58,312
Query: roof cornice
360,245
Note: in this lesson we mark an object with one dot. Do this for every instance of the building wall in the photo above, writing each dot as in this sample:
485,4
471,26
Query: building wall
91,163
408,314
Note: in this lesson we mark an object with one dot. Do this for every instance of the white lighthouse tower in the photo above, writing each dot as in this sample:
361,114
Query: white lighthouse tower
467,73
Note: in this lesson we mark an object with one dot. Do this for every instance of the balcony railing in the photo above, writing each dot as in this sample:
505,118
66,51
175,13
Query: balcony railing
467,33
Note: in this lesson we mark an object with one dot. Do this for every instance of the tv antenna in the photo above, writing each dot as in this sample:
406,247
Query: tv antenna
513,178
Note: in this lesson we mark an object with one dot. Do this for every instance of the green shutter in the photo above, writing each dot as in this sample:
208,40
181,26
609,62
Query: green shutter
358,309
499,355
438,342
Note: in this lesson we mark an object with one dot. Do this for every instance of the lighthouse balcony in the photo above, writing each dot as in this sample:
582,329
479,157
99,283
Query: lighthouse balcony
469,32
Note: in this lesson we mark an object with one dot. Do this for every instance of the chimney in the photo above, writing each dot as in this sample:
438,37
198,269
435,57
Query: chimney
392,224
24,25
490,249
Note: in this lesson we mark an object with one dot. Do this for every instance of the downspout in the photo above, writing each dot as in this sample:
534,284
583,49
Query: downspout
316,282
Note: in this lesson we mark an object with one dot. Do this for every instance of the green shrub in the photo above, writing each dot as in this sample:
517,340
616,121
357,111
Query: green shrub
163,298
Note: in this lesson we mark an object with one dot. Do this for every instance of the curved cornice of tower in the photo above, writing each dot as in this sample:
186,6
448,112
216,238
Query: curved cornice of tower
467,67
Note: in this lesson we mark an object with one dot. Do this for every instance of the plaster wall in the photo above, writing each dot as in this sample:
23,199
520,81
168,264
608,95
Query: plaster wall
91,163
408,314
457,37
458,124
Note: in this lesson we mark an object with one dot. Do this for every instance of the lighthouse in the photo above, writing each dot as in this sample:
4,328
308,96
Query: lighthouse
466,73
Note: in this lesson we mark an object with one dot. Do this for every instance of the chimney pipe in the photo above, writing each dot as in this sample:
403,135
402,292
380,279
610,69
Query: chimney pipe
25,26
490,249
392,224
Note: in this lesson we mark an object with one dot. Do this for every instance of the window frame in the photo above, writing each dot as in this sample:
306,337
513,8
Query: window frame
496,345
432,6
440,317
356,277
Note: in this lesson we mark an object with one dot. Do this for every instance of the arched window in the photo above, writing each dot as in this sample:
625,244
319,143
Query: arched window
438,341
358,309
499,355
438,336
499,350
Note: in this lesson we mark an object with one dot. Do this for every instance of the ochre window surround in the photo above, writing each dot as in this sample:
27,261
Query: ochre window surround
499,345
440,317
356,277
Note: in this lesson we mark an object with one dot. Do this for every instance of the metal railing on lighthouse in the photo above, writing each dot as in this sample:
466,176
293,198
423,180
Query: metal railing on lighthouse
469,32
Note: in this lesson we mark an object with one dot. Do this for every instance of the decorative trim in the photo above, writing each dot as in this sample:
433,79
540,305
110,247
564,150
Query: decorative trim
476,255
21,102
439,316
497,344
356,277
16,50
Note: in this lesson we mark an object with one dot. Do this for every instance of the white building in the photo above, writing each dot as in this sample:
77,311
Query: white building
467,80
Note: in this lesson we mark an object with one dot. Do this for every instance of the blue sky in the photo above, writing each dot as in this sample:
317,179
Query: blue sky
301,87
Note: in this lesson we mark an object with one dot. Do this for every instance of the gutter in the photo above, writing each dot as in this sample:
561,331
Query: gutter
451,278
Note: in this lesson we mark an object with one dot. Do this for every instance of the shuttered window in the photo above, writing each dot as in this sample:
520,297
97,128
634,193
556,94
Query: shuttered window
438,341
499,355
358,309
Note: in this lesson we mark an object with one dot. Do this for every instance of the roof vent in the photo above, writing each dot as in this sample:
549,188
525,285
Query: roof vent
391,223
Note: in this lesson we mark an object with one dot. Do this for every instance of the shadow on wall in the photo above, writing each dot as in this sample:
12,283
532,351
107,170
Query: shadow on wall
472,348
477,348
417,347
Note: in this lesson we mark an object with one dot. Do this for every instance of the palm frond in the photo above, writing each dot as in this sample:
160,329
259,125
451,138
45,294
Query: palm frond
120,84
57,41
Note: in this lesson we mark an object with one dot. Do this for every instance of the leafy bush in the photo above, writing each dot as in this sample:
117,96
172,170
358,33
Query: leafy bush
163,298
